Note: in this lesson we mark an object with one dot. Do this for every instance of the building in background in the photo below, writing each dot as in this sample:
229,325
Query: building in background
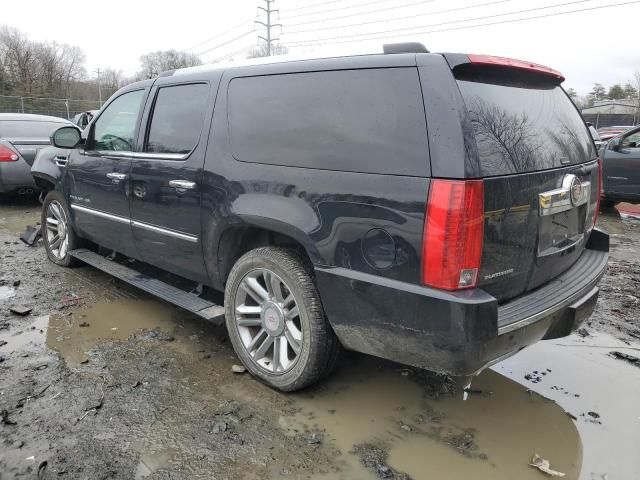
607,113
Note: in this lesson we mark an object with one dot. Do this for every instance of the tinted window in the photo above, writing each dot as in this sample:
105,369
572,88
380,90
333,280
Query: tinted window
177,119
523,128
632,141
355,120
115,128
28,129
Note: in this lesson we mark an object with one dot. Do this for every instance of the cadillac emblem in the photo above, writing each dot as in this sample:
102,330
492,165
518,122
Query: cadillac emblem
575,190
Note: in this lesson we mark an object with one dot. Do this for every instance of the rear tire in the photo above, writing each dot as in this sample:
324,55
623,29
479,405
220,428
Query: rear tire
57,232
272,305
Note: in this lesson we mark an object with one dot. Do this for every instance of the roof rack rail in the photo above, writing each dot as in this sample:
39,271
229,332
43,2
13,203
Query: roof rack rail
407,47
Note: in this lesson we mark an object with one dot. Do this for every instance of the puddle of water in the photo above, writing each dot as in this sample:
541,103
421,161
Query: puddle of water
509,426
34,334
6,292
585,378
72,336
152,461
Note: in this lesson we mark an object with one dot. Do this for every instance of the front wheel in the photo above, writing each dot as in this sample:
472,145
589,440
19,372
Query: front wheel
57,234
275,319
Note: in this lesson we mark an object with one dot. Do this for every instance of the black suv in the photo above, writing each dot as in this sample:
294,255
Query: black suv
433,209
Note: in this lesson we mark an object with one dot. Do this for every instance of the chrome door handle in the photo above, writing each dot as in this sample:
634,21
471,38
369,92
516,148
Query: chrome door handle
61,160
116,177
182,185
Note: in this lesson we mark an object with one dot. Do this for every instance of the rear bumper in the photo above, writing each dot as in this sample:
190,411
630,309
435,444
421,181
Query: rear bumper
458,333
15,175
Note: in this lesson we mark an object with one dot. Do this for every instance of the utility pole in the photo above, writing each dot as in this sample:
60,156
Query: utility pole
268,25
99,88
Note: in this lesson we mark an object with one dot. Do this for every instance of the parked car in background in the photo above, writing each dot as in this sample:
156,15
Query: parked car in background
21,137
607,133
83,119
314,196
621,169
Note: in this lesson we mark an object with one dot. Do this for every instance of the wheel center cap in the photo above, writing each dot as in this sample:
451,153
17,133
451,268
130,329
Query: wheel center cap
272,319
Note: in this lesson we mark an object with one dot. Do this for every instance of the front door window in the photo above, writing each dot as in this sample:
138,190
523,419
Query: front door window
115,129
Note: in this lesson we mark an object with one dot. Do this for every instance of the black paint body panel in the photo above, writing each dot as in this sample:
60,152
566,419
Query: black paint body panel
453,333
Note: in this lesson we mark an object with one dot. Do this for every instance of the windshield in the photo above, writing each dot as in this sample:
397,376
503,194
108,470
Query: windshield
524,128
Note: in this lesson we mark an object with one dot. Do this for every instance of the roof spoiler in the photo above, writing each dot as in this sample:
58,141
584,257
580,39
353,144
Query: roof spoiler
460,61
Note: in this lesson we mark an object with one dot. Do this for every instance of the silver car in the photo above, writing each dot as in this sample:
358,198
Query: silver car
21,137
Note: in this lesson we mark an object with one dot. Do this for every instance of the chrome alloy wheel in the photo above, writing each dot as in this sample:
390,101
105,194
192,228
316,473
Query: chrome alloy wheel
268,321
56,230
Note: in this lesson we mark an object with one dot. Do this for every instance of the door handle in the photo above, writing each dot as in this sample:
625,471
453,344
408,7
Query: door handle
60,160
182,185
116,177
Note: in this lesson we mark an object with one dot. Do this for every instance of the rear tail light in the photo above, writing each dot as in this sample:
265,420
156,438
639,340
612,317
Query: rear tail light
7,155
595,215
453,234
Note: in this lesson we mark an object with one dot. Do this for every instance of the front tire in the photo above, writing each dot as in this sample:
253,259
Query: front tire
275,319
57,233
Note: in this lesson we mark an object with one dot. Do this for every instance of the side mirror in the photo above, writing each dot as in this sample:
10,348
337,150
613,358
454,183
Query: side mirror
614,144
66,137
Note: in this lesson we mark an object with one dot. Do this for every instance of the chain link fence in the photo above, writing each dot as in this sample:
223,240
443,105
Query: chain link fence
56,107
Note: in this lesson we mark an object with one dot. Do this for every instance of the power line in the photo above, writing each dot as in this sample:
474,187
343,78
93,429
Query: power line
463,27
227,42
313,5
221,34
354,14
386,20
495,15
232,54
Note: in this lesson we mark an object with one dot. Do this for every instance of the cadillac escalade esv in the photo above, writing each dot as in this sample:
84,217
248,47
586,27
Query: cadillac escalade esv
437,210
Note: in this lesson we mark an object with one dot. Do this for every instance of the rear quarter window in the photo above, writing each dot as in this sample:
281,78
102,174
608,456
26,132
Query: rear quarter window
350,120
523,127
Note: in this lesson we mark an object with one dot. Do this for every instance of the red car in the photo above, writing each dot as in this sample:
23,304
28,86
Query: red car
607,133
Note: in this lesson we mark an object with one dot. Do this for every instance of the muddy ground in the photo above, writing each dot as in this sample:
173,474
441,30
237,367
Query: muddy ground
101,381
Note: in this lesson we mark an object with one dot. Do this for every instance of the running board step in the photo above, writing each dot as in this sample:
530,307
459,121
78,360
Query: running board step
169,293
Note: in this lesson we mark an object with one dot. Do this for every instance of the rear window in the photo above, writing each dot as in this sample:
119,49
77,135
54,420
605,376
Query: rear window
28,129
350,120
524,127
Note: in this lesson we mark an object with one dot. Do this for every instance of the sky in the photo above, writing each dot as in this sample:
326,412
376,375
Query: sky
593,45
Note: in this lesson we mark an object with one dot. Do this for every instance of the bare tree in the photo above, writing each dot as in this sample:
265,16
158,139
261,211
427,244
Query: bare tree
112,80
19,58
154,63
261,50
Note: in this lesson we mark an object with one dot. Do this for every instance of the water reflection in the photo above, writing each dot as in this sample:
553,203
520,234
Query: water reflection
492,435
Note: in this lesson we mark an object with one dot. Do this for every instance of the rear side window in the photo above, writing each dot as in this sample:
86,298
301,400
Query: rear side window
524,127
350,120
28,129
177,119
